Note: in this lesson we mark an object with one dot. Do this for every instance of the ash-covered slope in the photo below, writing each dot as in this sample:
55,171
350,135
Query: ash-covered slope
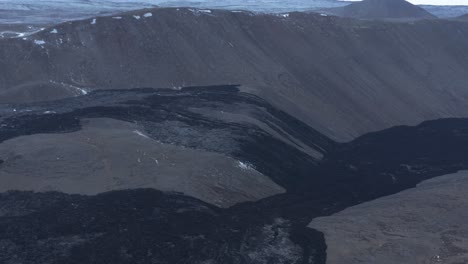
149,226
426,224
202,142
382,10
343,77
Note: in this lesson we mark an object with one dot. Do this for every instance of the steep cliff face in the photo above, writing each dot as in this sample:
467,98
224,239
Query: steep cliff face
341,76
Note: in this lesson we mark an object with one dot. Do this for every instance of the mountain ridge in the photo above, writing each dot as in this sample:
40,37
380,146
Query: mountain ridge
297,61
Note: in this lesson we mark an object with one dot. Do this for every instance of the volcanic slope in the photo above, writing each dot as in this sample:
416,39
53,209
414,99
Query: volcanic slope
382,10
149,226
341,76
198,141
426,224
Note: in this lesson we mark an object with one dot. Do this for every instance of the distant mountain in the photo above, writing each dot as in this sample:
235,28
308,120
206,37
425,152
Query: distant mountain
34,12
382,9
445,11
462,18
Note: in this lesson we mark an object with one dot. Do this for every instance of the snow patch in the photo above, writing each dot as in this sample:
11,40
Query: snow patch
18,34
117,17
93,22
199,11
54,31
245,165
136,17
6,34
75,89
49,112
82,91
285,15
140,133
39,42
324,15
148,15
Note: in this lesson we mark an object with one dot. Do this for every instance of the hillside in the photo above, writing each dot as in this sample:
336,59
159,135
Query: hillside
198,141
214,147
198,136
343,77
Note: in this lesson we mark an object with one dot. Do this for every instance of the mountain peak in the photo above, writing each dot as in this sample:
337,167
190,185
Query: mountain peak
382,9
